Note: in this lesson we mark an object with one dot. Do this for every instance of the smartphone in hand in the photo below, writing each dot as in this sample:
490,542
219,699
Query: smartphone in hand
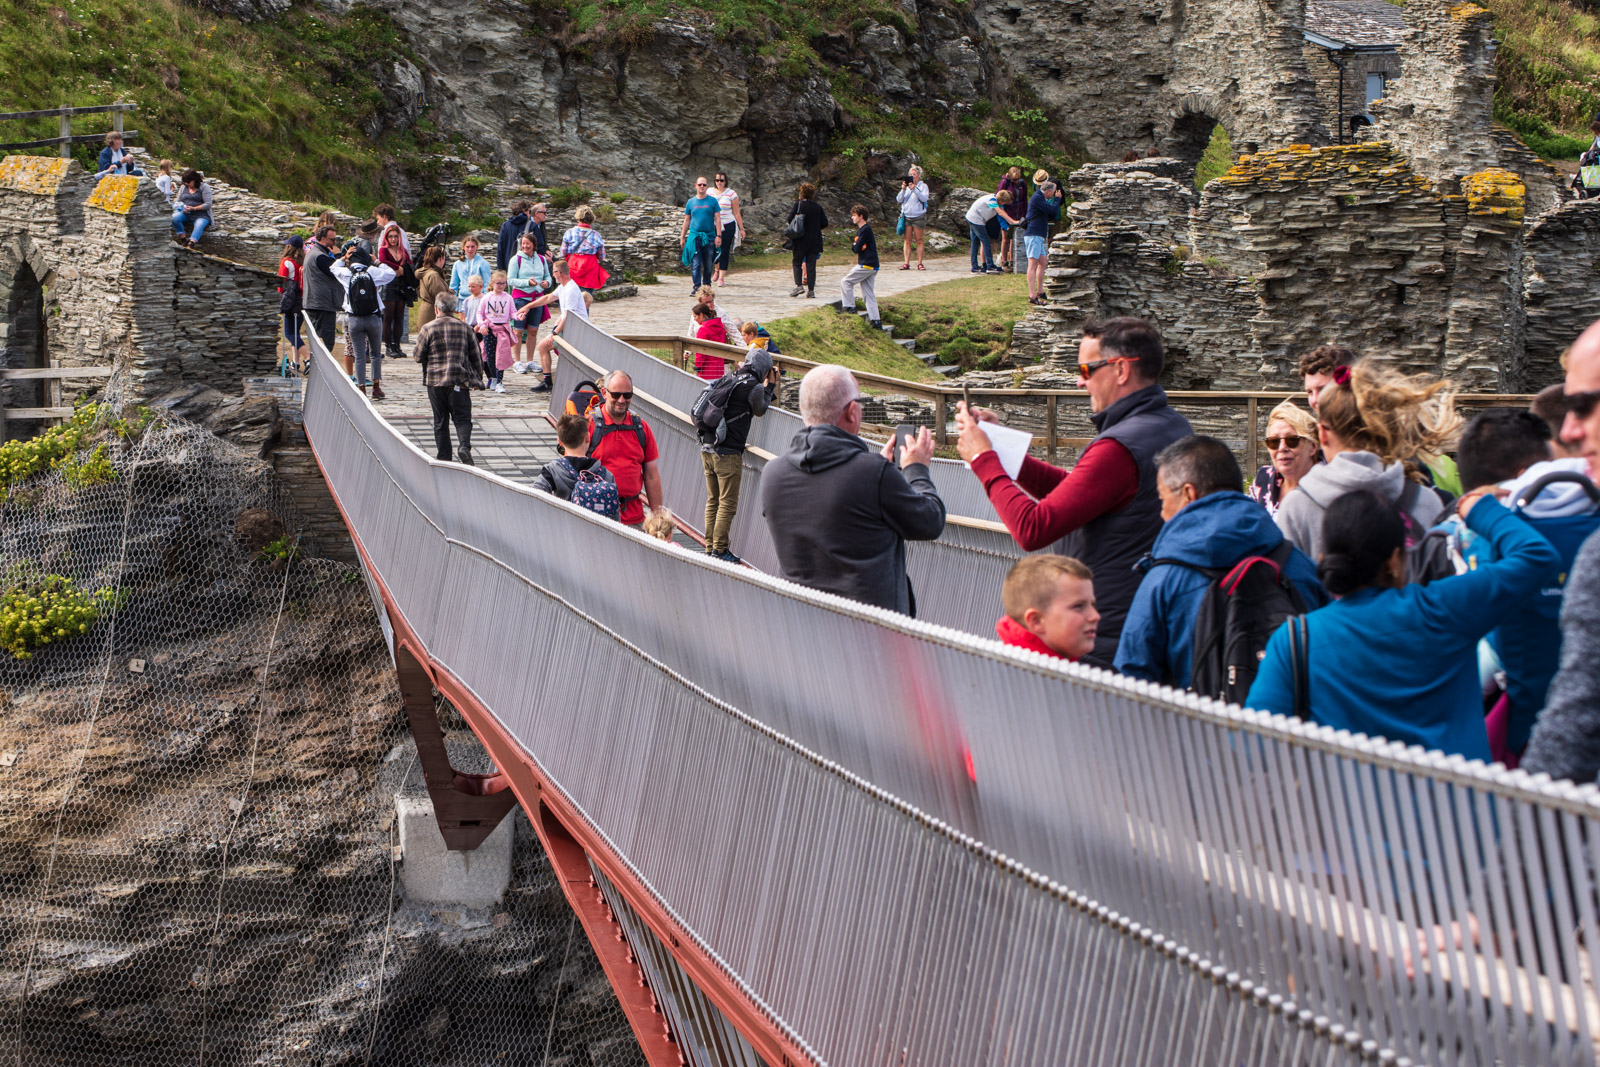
904,435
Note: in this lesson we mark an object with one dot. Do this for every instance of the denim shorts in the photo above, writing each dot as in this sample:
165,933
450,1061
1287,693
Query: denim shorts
1037,247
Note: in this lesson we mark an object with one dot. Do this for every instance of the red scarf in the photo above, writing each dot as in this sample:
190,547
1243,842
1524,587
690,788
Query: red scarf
1013,633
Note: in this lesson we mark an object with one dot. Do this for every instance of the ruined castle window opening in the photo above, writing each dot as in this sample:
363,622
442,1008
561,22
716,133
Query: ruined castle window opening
1375,83
1076,18
27,347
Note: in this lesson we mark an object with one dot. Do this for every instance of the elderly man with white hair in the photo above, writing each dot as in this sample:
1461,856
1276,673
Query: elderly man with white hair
841,513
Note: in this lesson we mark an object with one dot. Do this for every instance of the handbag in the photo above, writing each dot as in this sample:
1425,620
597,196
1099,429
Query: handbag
1589,176
900,226
796,228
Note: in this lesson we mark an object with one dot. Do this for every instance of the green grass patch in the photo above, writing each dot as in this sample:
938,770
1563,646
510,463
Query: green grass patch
967,322
1216,160
825,336
276,106
564,196
1548,73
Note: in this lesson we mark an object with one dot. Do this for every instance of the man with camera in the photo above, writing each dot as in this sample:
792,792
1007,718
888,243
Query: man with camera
913,199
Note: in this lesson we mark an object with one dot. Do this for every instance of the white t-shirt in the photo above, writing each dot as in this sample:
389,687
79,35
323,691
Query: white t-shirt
571,299
983,209
168,186
727,198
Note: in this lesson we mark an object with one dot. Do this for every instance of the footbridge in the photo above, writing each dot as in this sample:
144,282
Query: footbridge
799,830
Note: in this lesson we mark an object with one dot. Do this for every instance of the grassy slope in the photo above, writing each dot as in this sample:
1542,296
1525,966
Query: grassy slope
275,106
1548,66
826,336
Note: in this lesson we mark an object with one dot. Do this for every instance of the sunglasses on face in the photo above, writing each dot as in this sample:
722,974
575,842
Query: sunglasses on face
1288,441
1086,369
722,181
699,185
1582,404
614,395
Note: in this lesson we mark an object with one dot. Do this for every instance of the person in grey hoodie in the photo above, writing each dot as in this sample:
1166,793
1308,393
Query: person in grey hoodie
1369,420
840,514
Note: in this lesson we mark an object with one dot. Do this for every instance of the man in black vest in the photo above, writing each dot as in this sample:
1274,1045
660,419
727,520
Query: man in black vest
322,295
1105,511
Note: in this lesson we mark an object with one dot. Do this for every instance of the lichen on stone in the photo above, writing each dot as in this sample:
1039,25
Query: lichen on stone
40,175
115,193
1497,192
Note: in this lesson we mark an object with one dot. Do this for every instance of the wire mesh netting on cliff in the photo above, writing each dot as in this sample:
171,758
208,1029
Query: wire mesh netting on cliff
200,746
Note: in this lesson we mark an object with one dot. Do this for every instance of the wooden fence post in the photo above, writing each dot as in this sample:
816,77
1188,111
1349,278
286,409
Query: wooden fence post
116,119
1255,431
1050,428
940,419
66,135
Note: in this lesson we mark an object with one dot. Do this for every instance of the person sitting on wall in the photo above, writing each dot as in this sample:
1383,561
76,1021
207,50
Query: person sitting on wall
113,159
192,208
1049,607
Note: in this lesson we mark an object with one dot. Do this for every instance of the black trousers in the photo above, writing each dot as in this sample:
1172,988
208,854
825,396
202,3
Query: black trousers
451,404
807,260
324,322
394,313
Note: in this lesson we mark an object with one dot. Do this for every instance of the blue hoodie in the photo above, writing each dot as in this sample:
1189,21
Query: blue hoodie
1218,530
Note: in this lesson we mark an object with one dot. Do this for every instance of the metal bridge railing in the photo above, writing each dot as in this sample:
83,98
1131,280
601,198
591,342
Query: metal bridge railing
907,845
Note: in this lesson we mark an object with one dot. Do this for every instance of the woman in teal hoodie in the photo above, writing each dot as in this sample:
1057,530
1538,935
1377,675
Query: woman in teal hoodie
1394,660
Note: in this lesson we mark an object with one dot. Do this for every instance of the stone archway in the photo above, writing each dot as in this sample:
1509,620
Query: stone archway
24,341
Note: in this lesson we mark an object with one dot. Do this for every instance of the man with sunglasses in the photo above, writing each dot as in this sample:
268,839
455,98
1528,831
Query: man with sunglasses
1105,511
700,238
1566,738
626,447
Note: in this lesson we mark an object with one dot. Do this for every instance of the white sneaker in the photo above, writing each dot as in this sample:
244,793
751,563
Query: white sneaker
497,387
519,368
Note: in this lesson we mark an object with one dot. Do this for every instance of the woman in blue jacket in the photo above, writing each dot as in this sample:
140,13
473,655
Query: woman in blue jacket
113,160
1399,661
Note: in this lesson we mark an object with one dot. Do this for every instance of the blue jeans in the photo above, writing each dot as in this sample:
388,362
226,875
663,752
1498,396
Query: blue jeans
701,265
981,236
180,216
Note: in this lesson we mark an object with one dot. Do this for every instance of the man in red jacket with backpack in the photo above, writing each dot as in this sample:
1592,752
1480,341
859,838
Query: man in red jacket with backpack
626,447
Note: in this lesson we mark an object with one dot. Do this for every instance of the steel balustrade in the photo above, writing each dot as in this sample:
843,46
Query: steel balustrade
903,844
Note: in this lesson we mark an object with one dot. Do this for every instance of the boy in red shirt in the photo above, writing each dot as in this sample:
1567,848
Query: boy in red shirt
1049,604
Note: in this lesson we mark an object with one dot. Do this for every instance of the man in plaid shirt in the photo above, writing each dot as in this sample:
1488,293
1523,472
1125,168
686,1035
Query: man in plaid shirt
448,351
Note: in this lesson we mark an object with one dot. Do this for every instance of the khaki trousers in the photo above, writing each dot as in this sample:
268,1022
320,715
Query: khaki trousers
722,497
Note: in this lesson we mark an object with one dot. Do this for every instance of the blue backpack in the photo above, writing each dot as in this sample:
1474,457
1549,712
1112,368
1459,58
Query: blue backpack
594,491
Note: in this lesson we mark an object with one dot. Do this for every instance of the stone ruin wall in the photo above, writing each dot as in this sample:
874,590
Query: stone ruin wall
118,292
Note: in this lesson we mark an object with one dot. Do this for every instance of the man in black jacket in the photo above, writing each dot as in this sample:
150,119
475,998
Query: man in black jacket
724,459
839,514
505,246
321,294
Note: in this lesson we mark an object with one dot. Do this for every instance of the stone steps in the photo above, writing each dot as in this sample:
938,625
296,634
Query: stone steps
908,345
927,357
948,370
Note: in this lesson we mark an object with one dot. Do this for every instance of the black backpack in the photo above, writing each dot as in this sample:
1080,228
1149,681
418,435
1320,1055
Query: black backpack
710,410
1427,551
1242,608
363,292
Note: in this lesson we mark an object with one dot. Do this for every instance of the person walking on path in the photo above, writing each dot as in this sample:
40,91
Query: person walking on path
383,215
192,208
467,312
1013,183
700,237
430,283
322,294
573,300
1049,607
508,242
1044,208
530,278
808,246
626,445
363,313
470,263
583,248
561,476
913,200
732,219
1566,739
709,327
1390,658
448,351
399,293
749,398
865,272
290,301
1106,511
494,321
840,513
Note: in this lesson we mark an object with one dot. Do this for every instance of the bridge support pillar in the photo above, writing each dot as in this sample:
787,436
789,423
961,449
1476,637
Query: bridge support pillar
431,872
467,807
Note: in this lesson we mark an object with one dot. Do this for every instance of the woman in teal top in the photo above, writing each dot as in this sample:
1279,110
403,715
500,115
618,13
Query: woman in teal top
1394,660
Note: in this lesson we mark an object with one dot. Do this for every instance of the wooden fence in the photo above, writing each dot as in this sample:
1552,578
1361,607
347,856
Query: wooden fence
67,140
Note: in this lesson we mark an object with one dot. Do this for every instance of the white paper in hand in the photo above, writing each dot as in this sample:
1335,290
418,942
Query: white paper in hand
1009,444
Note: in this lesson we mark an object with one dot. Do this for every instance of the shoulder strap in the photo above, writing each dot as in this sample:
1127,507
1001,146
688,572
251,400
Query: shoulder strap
1300,664
1213,573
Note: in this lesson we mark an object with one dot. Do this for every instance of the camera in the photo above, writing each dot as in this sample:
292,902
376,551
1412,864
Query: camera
908,180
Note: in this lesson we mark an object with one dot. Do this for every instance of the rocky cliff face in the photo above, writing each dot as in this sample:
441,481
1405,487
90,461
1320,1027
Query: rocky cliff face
197,807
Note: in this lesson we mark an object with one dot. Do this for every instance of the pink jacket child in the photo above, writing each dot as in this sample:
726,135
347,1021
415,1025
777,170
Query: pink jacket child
494,316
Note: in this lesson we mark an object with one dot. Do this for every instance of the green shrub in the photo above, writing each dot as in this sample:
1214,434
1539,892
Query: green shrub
21,460
35,611
476,181
618,198
605,213
1216,161
565,196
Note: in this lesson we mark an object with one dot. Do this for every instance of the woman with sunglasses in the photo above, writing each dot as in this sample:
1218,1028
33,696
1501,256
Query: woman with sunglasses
732,225
1292,442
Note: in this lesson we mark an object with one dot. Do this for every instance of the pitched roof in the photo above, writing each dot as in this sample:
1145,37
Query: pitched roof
1368,24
